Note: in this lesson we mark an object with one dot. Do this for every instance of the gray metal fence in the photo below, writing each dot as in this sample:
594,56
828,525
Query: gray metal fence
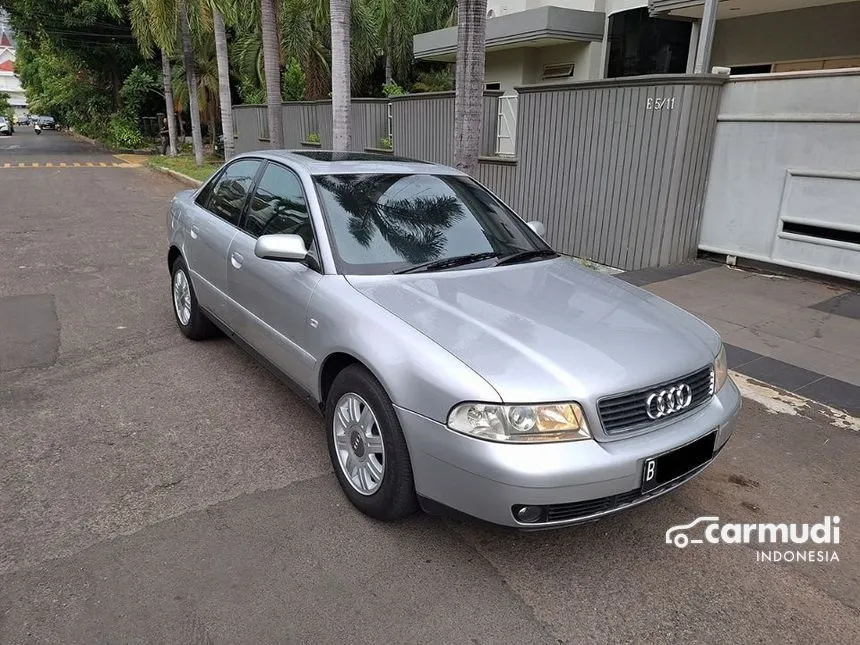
615,168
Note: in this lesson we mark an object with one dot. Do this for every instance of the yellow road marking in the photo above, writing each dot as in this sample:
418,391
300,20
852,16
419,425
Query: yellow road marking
73,164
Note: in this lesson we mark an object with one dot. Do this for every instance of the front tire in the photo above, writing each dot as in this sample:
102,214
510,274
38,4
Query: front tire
192,322
367,447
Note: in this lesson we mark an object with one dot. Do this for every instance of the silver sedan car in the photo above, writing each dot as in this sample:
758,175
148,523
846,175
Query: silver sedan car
459,362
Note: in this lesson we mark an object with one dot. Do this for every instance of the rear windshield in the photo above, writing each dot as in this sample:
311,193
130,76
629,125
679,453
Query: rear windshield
380,223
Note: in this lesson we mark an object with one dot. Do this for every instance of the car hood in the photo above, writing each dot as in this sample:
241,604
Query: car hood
550,330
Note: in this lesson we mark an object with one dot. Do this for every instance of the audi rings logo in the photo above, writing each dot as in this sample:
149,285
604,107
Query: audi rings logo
666,402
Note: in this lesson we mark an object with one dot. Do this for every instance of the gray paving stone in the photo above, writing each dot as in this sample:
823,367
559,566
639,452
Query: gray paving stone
846,305
779,373
839,394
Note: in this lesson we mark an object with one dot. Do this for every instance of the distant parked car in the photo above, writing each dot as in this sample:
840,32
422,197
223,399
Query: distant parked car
47,123
459,361
6,127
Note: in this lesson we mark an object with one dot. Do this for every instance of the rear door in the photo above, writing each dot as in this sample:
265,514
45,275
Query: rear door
271,297
213,222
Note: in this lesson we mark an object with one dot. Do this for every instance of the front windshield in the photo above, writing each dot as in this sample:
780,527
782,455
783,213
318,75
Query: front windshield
380,223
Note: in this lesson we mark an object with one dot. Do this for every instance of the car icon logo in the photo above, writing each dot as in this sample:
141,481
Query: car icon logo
677,535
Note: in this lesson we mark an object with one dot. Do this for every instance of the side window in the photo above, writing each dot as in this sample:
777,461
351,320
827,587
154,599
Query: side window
230,190
278,206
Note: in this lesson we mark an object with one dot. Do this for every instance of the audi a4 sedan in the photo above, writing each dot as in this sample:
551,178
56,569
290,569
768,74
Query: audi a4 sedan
459,362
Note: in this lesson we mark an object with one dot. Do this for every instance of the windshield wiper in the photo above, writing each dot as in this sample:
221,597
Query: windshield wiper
522,256
447,263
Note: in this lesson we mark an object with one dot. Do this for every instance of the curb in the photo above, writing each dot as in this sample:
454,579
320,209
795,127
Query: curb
185,179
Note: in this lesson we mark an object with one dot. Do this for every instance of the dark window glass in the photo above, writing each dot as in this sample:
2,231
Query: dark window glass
381,223
640,44
230,190
278,206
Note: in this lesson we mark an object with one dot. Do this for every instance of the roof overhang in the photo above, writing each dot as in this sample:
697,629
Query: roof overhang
532,28
732,8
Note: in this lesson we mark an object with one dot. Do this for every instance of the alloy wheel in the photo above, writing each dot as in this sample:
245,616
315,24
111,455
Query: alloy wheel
358,444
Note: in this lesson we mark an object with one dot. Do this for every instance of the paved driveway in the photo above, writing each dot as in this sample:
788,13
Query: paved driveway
157,490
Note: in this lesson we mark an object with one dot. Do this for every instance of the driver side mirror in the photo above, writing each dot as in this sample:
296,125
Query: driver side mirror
285,247
537,227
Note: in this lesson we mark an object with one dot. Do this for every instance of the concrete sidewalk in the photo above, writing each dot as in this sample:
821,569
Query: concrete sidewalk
799,334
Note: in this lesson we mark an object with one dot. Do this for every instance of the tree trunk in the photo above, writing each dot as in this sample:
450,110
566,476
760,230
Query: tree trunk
469,88
224,97
168,101
272,66
191,79
340,74
389,71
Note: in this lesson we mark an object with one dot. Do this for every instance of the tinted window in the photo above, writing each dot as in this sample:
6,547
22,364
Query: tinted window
380,223
231,189
278,206
640,44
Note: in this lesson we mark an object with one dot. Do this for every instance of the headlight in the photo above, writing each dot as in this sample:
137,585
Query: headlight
721,370
520,423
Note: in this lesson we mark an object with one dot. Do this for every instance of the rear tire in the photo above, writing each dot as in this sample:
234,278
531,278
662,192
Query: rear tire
192,322
370,458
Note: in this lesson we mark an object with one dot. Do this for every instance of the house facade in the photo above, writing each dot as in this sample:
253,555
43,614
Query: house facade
549,41
9,82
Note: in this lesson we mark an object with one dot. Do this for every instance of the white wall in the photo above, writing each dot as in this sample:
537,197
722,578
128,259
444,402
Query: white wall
524,66
817,32
786,149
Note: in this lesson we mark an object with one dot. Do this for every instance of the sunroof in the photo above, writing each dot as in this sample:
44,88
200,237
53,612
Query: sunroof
331,155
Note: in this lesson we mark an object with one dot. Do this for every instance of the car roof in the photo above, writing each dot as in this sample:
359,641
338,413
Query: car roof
331,162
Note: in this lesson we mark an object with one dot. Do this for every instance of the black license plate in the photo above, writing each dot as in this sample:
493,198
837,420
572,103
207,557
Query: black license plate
669,466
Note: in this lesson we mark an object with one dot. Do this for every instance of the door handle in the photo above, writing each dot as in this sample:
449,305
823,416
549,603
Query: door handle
236,260
195,230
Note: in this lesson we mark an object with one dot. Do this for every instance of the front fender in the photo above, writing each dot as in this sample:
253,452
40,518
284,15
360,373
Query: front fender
417,374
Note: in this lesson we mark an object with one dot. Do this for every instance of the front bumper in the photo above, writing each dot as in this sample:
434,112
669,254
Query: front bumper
486,479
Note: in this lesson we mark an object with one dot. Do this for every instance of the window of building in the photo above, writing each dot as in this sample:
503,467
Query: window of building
493,86
640,44
740,70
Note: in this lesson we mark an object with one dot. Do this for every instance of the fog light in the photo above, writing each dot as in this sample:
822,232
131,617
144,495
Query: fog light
529,514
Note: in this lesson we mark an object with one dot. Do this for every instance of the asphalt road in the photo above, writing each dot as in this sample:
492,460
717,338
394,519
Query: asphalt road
157,490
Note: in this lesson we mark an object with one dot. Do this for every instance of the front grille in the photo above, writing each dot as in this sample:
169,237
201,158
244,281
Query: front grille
627,412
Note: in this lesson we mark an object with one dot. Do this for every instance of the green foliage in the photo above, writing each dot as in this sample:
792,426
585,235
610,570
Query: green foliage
312,137
438,81
294,82
392,89
136,89
123,132
250,91
386,143
6,109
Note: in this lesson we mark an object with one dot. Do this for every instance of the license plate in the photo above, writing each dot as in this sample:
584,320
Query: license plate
665,468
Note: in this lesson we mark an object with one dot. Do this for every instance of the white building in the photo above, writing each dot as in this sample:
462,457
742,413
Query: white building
9,82
550,41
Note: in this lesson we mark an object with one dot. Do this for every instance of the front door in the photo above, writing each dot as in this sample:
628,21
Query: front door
212,225
269,298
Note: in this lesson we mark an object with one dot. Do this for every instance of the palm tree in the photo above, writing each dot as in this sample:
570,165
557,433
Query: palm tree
272,65
144,29
340,74
469,87
191,80
224,95
398,21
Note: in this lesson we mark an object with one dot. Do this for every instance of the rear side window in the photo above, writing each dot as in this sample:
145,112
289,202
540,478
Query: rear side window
279,206
227,195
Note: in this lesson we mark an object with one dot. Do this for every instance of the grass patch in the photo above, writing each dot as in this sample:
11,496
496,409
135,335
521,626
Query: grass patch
185,164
